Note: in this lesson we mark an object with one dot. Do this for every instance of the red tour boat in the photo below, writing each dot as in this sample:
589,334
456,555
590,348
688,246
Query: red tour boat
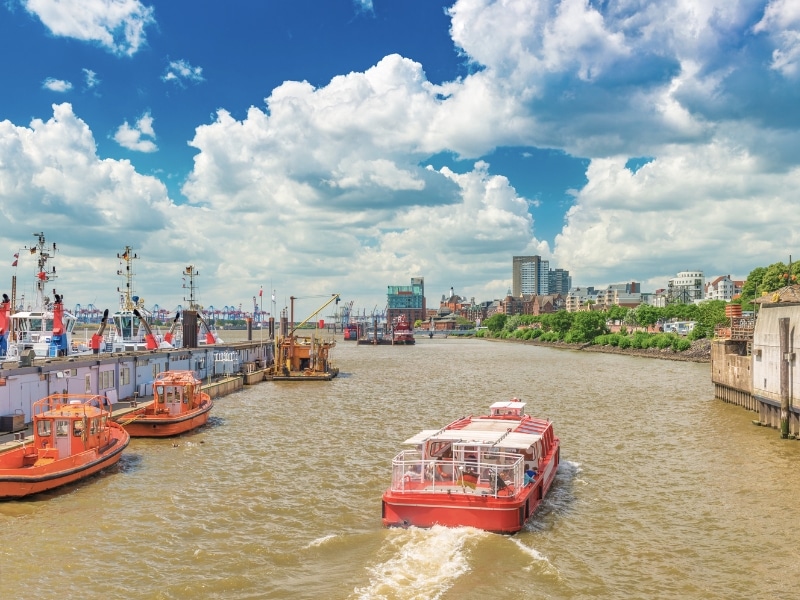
179,405
490,472
73,437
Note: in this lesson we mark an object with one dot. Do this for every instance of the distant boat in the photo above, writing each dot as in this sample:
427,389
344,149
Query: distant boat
490,472
131,324
46,327
73,437
350,332
179,405
303,358
402,331
374,334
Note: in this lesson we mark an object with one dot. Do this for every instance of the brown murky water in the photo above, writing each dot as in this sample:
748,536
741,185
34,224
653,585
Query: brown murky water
663,492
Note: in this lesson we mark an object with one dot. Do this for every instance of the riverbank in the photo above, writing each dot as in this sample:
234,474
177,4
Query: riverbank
700,350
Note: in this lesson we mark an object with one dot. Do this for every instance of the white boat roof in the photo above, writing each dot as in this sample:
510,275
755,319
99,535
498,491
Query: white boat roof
509,404
480,432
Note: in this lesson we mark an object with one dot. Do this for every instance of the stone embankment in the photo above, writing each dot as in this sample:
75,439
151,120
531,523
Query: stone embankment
700,351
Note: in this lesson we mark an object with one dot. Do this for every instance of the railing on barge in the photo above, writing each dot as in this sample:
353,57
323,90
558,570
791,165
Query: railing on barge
497,474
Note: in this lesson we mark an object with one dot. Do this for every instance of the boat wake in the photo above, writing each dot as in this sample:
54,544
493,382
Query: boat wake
540,561
559,499
420,563
319,541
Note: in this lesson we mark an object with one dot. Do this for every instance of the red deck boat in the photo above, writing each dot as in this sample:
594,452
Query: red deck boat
73,437
402,331
490,472
179,405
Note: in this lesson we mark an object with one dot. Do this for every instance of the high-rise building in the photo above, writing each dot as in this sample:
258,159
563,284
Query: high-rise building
530,275
560,282
408,300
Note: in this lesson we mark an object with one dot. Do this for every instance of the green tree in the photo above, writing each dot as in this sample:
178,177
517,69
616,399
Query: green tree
751,285
587,325
561,322
647,315
616,313
496,322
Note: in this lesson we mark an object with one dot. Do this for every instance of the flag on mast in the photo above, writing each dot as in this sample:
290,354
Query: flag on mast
16,259
261,292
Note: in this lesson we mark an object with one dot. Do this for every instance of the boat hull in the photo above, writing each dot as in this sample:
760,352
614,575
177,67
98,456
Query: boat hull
149,425
21,481
305,376
454,505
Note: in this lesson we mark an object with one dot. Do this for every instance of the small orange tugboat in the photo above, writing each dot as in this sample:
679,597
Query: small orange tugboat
179,405
73,437
489,472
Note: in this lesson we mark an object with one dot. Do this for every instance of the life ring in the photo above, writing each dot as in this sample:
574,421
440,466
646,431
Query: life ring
442,474
407,478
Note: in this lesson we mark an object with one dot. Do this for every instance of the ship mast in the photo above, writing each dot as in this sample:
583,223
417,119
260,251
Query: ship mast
43,277
191,273
127,300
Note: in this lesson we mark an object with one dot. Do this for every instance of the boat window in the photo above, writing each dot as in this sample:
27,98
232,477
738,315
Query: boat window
62,428
44,427
77,428
93,428
440,449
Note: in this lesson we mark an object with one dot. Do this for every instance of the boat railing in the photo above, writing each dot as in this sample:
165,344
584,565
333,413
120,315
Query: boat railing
56,402
498,474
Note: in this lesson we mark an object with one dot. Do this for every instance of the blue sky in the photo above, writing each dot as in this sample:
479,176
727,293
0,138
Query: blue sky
342,146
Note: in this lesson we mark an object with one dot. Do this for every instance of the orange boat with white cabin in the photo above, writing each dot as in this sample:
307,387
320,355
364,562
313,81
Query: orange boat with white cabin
179,405
73,437
490,472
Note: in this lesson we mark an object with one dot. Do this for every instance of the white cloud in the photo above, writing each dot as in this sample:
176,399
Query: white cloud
134,138
326,189
117,25
781,22
91,79
56,85
181,72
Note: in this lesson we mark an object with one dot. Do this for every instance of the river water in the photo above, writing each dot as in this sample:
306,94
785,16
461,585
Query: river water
663,492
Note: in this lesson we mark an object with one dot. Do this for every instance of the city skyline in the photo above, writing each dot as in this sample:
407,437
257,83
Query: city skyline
338,147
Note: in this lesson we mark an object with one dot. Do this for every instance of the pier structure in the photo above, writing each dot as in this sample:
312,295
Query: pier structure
126,377
754,362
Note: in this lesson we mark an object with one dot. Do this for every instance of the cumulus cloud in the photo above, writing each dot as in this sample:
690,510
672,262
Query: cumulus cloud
51,168
117,25
181,72
136,137
330,188
56,85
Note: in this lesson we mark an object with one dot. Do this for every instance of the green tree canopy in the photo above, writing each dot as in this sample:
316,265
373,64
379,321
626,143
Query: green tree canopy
588,325
496,322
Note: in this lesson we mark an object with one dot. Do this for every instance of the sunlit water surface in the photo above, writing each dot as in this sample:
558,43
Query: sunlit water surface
663,492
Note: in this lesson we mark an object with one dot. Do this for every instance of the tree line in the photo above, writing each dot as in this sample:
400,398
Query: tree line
592,326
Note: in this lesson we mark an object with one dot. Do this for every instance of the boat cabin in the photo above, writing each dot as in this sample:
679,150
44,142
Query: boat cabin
506,444
65,425
34,330
514,409
176,392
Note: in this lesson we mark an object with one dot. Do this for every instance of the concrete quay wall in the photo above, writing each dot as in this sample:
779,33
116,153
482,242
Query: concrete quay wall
732,374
